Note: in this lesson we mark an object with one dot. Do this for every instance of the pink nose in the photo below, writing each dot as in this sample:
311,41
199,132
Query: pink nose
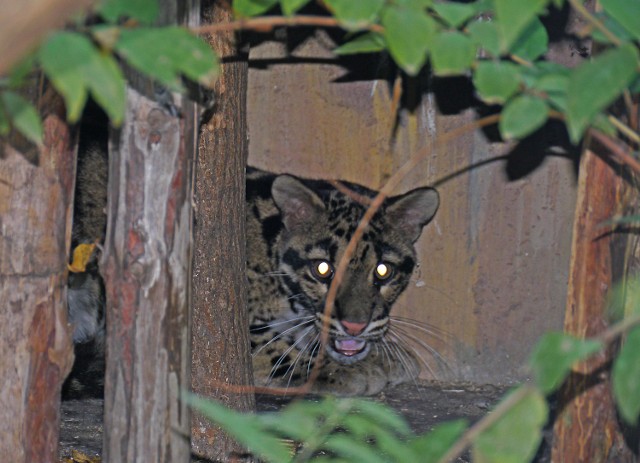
352,328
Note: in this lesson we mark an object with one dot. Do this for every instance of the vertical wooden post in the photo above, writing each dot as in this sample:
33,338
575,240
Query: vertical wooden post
36,194
221,351
146,265
587,429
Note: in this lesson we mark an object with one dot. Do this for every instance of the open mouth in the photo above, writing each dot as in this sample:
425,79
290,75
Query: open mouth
349,346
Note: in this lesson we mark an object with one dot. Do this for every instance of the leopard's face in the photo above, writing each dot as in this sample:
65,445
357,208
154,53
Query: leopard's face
314,241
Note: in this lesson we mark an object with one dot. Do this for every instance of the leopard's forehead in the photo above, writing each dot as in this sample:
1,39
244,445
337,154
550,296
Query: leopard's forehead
329,236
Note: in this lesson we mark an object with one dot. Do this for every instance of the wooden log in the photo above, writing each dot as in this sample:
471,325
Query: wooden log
221,350
146,265
36,354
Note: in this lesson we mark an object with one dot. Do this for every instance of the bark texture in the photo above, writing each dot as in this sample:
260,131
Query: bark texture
221,350
36,195
147,276
587,429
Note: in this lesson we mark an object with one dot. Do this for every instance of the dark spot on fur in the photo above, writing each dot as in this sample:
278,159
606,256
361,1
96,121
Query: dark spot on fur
407,264
292,258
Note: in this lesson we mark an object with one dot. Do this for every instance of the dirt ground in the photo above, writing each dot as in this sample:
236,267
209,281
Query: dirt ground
423,405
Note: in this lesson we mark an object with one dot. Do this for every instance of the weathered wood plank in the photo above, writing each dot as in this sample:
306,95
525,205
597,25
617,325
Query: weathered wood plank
146,267
36,191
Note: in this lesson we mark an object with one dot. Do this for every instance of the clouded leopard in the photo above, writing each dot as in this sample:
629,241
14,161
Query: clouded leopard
297,231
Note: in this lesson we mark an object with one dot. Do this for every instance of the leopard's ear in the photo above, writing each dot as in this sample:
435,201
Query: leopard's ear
413,210
297,203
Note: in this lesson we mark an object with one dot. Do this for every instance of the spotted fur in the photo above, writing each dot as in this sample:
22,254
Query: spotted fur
293,226
297,232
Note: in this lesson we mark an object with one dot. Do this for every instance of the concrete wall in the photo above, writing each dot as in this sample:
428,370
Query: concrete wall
494,263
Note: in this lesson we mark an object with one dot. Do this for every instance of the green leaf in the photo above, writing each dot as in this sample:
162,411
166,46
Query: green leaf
145,11
612,26
192,56
452,53
383,415
432,446
602,123
626,378
386,439
626,12
455,14
370,42
245,8
414,4
624,298
5,125
555,87
485,34
107,86
533,42
298,421
553,356
166,53
514,16
245,428
22,115
64,57
75,67
521,116
353,450
409,34
355,15
289,7
496,81
609,73
515,437
20,71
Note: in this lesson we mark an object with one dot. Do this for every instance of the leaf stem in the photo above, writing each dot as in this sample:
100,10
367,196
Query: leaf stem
625,129
615,331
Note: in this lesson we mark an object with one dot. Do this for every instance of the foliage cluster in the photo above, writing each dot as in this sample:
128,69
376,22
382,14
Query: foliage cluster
83,61
501,44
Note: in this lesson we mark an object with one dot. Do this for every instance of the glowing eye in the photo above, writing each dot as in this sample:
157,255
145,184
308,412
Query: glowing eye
322,269
383,271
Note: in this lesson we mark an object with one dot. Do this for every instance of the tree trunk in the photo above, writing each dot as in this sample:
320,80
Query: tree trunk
220,349
587,429
147,277
36,354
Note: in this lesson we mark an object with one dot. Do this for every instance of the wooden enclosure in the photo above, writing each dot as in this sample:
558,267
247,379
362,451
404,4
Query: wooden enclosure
494,262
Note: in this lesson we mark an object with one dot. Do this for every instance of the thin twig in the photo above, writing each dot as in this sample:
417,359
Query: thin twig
474,431
586,14
616,150
614,332
625,129
268,23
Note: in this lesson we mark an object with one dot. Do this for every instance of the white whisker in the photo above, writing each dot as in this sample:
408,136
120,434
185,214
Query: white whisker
421,326
295,362
283,322
285,353
313,353
401,332
280,335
